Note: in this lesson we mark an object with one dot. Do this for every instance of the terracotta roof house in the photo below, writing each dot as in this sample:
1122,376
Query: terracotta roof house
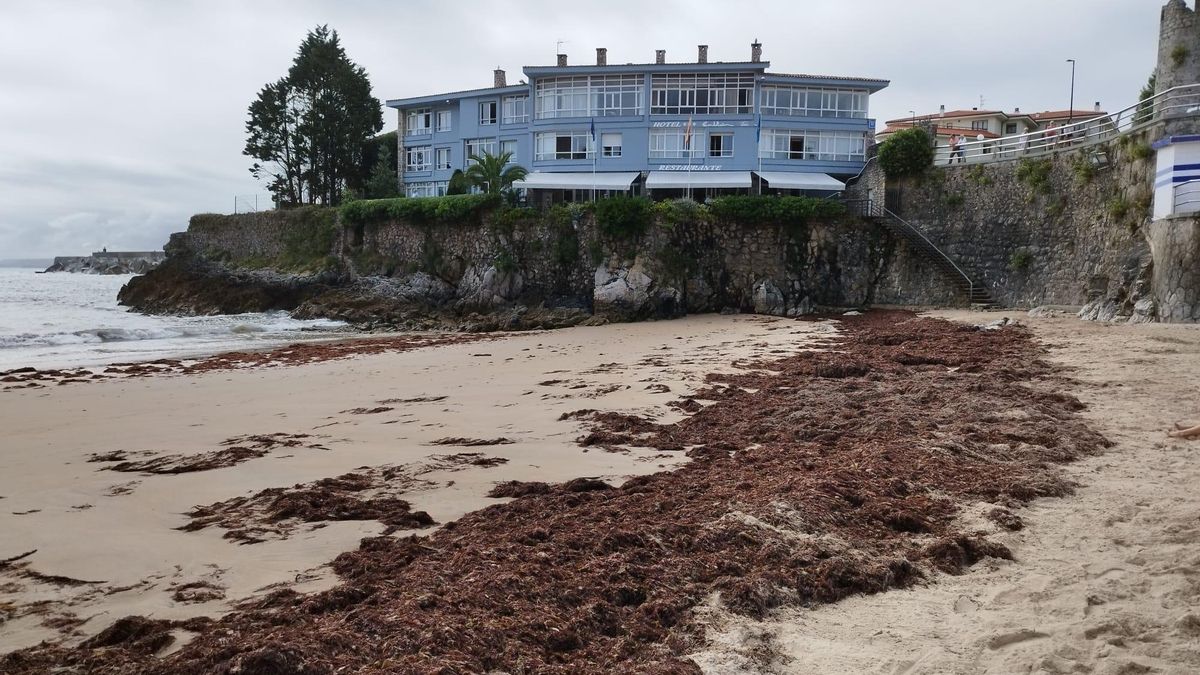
978,124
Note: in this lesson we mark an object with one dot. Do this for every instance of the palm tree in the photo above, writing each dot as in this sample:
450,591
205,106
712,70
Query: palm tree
489,174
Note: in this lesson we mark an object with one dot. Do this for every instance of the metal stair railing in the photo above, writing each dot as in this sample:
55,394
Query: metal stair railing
872,209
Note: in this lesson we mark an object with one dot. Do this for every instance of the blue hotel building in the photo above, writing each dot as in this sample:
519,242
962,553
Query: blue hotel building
662,129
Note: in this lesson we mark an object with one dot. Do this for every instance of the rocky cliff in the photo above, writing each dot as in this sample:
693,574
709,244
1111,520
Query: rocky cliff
480,266
109,262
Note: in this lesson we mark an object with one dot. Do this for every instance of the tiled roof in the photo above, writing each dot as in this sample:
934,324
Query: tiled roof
1064,114
951,114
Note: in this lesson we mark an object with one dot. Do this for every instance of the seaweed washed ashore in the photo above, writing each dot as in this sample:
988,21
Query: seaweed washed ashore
814,477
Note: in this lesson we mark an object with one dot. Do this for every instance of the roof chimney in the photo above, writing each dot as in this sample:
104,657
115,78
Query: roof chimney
660,56
702,54
755,51
562,60
1016,111
500,80
974,108
601,56
942,110
1097,106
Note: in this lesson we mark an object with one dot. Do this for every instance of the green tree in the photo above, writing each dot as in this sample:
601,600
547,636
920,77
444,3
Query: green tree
458,185
307,130
906,153
382,183
1145,110
492,174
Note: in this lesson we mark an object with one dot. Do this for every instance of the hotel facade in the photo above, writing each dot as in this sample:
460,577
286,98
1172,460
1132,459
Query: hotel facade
662,129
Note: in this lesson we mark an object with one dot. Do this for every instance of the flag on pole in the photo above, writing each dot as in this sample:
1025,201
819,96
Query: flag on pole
687,136
593,129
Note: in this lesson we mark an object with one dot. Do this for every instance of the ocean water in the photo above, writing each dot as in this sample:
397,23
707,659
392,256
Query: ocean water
60,320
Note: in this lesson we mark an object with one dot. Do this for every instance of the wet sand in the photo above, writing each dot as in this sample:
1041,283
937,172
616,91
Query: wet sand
1105,581
90,523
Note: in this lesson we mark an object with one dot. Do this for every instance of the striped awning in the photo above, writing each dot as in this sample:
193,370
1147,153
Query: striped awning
659,180
577,180
788,180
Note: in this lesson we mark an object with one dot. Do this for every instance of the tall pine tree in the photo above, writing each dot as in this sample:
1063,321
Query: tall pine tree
306,131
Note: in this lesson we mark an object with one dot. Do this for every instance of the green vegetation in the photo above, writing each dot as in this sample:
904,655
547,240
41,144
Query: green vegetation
1145,110
1117,207
978,174
458,184
1056,207
683,212
1178,55
1141,151
307,130
418,210
906,153
491,173
1083,169
754,210
623,217
1035,173
954,200
382,184
1020,260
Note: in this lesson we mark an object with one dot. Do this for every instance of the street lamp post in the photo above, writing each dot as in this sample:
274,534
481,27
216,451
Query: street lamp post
1071,112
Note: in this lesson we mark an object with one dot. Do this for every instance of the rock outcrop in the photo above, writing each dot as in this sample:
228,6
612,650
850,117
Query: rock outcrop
109,262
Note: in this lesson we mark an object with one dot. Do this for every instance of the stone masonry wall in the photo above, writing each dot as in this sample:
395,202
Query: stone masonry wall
1054,230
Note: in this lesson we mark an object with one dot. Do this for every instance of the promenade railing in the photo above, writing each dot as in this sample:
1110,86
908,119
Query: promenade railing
1176,102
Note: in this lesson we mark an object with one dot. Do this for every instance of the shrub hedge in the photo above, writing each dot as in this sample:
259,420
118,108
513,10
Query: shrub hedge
418,210
762,210
624,217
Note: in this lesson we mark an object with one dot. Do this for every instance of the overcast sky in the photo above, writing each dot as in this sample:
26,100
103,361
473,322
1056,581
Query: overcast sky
120,119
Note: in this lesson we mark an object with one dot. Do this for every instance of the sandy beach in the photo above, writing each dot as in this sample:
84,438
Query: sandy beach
98,476
93,524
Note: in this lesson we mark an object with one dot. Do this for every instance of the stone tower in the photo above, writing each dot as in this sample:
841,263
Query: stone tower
1178,46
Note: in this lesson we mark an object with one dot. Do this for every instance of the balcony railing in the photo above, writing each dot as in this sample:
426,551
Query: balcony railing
1177,102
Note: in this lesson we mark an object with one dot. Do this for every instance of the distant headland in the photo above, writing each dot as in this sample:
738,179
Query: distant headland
109,262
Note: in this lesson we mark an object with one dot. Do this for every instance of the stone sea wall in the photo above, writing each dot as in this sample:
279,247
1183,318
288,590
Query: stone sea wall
512,268
1065,229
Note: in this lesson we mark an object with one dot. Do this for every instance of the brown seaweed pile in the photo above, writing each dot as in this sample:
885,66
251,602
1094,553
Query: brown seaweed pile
814,477
238,449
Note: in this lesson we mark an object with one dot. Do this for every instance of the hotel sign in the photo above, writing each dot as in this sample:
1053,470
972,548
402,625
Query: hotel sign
701,125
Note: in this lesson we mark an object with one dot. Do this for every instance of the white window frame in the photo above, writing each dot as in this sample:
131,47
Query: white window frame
779,99
607,146
484,119
546,146
726,145
479,147
421,189
417,158
589,96
702,94
509,143
418,121
446,115
669,144
515,109
442,158
821,146
441,187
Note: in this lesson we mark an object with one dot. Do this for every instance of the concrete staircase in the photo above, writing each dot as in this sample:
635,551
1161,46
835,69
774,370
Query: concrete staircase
975,292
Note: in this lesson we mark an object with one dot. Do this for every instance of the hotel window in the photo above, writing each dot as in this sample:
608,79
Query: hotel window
440,188
810,102
588,96
610,145
979,125
441,159
443,120
674,144
515,109
487,112
509,146
832,146
424,189
478,147
702,94
417,159
720,145
418,122
563,145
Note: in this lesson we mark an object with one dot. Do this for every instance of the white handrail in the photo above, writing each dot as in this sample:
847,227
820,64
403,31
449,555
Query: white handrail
1186,197
1181,101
